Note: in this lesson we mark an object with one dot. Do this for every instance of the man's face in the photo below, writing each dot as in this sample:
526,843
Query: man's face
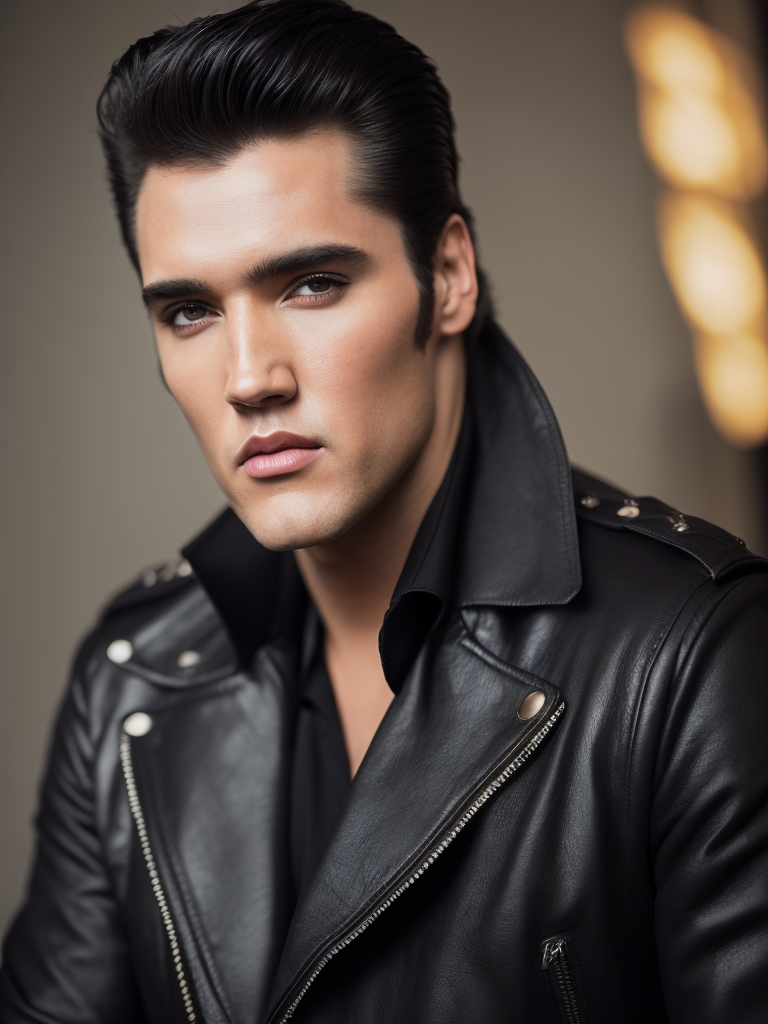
285,313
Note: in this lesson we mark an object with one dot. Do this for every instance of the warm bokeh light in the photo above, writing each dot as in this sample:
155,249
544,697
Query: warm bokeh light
692,141
713,264
733,377
701,124
700,118
673,51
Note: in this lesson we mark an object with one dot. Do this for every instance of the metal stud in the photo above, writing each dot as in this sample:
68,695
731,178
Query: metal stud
120,651
680,526
149,578
590,501
183,568
629,510
531,706
187,659
138,724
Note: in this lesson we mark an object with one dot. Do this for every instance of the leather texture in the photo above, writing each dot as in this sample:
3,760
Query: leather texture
625,824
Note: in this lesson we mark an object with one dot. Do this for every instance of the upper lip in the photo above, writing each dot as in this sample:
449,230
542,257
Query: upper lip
277,442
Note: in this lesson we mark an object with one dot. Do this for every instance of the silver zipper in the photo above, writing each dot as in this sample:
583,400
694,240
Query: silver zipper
149,860
555,957
551,950
471,811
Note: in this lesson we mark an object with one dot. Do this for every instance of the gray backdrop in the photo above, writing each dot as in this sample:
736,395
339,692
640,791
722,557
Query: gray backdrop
101,475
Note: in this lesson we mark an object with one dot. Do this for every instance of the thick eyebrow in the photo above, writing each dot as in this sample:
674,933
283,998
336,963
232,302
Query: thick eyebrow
172,290
307,259
271,267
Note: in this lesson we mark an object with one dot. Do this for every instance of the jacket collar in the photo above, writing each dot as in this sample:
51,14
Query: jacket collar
501,530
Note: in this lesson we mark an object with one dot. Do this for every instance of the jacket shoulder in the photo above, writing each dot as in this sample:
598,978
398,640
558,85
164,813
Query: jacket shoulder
604,505
151,585
163,628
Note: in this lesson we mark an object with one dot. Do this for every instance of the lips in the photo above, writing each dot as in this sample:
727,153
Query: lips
278,453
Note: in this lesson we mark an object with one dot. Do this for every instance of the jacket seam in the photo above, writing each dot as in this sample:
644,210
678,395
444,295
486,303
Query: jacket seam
694,629
661,643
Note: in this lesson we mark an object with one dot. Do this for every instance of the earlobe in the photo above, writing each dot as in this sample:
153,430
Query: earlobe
456,277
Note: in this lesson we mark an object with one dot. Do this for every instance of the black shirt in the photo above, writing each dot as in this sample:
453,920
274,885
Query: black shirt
320,772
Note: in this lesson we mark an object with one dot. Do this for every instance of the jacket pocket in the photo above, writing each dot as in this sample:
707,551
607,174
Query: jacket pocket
564,978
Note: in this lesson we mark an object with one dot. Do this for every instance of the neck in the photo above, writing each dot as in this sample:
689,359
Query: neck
351,579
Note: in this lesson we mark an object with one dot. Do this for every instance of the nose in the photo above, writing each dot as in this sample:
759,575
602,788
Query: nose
261,373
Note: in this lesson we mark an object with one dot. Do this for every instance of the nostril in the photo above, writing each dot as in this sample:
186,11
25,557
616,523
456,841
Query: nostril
262,392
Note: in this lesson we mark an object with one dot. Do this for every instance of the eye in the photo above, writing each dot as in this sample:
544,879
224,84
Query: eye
315,286
316,289
189,314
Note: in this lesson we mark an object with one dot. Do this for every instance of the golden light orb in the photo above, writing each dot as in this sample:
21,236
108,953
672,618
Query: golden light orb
713,263
692,141
701,120
733,378
673,51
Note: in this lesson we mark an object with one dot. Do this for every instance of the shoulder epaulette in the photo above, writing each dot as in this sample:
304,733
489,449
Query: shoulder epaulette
717,550
154,582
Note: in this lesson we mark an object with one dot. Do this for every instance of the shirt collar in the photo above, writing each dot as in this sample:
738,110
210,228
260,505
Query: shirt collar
500,531
424,588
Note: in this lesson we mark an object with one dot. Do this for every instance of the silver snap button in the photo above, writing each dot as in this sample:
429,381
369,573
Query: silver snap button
138,724
590,501
184,568
187,659
531,706
119,651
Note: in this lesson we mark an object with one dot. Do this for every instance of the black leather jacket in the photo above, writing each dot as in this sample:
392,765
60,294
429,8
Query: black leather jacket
604,860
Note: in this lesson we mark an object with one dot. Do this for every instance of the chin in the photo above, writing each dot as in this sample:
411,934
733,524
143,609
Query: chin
299,522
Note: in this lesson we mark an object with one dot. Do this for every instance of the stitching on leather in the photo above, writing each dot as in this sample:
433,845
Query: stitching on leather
520,674
658,646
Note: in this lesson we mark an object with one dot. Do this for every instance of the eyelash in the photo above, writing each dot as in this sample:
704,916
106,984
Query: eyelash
168,316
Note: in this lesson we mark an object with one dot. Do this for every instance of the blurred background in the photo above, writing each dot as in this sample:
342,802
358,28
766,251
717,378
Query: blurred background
615,157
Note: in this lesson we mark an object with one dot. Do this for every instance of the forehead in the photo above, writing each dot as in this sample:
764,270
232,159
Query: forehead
271,194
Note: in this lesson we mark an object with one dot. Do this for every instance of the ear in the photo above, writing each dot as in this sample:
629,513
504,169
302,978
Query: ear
455,278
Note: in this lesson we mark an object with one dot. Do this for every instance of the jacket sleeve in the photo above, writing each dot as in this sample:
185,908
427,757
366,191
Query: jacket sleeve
710,817
66,957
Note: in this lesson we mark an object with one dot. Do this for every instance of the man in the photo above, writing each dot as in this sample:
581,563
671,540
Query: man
410,733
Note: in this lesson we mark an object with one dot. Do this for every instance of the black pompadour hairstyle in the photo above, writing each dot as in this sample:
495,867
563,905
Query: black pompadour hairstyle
274,69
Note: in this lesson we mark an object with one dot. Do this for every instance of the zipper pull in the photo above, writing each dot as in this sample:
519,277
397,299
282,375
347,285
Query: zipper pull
551,950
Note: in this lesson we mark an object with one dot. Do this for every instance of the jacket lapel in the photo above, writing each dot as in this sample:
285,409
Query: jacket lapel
212,779
443,748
